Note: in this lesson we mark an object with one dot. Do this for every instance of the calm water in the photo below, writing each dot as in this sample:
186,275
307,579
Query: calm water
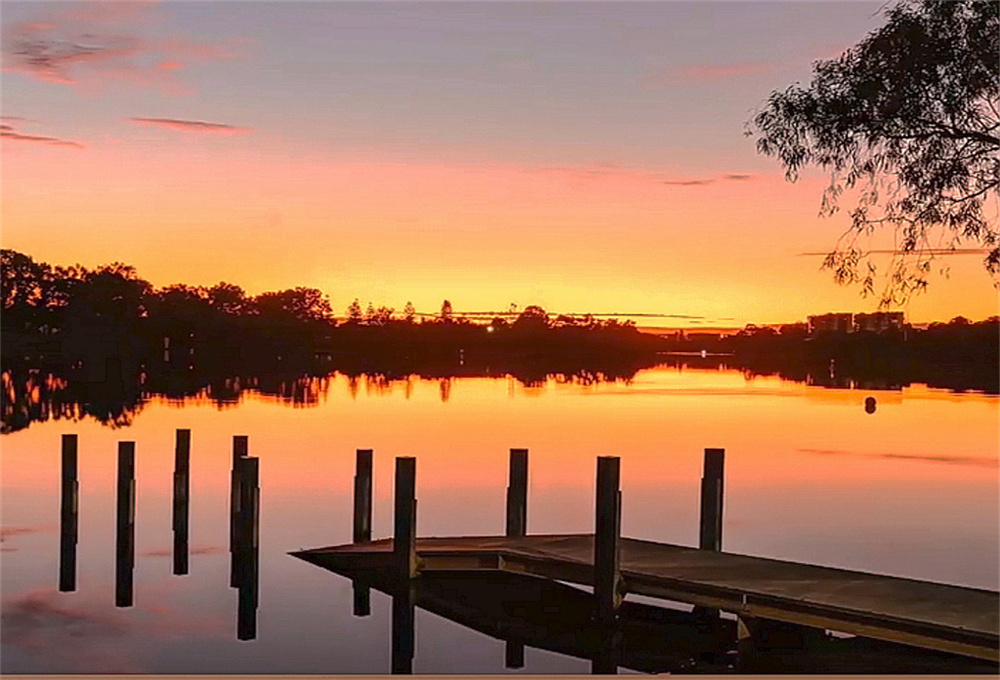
910,490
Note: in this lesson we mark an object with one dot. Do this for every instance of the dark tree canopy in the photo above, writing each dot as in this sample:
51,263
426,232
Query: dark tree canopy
909,119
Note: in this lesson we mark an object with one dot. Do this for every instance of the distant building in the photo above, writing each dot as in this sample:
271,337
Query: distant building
831,323
878,322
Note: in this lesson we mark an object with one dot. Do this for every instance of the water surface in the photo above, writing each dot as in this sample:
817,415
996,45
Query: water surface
910,490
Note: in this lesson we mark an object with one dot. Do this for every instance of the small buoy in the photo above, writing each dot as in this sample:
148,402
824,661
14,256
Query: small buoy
869,404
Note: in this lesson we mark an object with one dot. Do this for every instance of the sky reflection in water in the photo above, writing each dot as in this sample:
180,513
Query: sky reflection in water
910,490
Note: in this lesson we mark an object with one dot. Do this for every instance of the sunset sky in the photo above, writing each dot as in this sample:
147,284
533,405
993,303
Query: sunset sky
586,157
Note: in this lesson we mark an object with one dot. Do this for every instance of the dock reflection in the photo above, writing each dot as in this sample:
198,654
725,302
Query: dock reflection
524,611
528,612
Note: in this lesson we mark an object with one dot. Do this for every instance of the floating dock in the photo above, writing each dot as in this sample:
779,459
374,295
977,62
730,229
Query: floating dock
930,615
761,592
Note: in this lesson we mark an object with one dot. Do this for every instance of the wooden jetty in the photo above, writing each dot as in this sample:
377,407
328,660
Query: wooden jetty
762,592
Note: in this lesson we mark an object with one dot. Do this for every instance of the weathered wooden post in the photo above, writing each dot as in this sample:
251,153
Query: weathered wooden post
363,496
607,576
247,547
68,515
362,524
125,562
517,495
513,654
404,538
241,447
710,537
182,492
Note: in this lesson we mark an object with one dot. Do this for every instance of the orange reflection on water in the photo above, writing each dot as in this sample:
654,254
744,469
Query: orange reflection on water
802,462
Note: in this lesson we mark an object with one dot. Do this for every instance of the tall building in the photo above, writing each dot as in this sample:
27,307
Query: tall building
831,323
878,322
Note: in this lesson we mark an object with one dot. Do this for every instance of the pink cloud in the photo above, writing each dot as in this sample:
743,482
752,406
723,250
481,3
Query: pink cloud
198,126
89,44
697,74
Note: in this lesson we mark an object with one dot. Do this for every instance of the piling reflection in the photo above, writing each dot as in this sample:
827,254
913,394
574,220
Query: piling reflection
181,506
246,544
125,556
362,592
513,655
606,660
524,611
403,614
68,515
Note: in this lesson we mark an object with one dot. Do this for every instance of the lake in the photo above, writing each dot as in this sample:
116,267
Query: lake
909,490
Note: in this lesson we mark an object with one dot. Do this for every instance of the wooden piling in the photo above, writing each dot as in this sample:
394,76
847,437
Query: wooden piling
125,557
710,535
181,506
607,575
517,494
363,496
240,450
405,518
68,514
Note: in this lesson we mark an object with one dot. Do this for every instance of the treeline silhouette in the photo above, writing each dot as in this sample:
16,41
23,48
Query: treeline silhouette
99,343
107,322
958,355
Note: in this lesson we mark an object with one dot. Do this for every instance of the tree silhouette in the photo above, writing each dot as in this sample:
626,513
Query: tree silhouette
909,119
301,304
354,311
409,312
446,311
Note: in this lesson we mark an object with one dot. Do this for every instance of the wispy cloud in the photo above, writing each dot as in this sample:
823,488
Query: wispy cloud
611,171
698,182
92,44
197,126
9,132
688,182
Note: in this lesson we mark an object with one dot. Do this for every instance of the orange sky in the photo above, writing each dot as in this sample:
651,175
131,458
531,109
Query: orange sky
236,154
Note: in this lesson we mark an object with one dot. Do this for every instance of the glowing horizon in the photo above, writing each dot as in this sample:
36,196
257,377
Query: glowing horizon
582,158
